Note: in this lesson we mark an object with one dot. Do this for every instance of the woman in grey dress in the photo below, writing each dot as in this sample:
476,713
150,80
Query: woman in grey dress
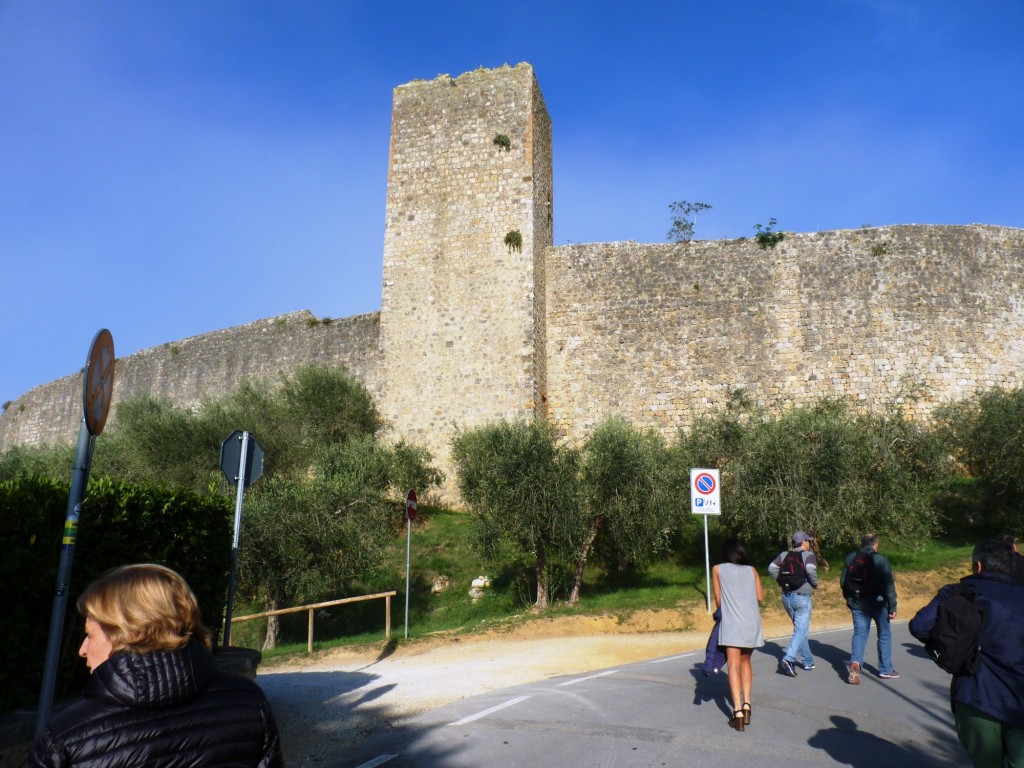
738,592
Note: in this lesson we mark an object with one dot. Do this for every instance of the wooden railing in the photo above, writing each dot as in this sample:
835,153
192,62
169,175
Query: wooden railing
314,606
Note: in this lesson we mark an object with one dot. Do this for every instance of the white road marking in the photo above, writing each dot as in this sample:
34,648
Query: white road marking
589,677
490,711
671,658
377,761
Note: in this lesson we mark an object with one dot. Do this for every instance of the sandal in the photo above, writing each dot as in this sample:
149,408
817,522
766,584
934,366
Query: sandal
746,713
737,721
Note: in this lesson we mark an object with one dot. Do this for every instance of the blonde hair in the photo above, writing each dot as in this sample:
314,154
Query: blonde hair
143,608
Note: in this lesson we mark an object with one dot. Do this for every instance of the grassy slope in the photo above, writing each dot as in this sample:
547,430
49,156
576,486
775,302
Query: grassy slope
441,549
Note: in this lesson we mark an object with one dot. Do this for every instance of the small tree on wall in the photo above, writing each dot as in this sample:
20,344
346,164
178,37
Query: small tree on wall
684,220
767,237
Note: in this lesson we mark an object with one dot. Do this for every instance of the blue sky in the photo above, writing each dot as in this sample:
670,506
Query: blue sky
169,168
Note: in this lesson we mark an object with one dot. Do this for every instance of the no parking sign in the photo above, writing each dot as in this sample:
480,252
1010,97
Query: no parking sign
705,492
705,499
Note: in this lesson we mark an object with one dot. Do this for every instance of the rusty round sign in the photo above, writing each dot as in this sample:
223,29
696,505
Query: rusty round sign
98,382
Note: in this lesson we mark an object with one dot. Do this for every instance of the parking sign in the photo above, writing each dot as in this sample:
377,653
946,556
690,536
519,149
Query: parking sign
705,492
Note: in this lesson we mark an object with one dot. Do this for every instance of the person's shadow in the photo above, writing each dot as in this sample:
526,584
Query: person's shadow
712,688
845,743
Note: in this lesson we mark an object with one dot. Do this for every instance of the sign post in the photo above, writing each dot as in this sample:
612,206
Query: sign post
241,461
410,515
705,499
97,392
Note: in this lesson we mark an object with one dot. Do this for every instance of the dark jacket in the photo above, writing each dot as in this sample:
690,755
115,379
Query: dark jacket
714,654
997,688
160,709
886,584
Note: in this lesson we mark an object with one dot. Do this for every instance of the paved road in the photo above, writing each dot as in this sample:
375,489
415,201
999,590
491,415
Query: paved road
664,712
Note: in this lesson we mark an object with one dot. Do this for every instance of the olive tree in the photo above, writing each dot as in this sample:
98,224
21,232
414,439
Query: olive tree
986,437
826,471
630,502
317,518
522,489
301,540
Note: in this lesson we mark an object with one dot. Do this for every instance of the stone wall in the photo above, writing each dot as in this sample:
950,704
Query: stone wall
470,163
209,365
662,332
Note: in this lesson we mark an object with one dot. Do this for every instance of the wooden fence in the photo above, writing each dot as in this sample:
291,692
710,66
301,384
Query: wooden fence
314,606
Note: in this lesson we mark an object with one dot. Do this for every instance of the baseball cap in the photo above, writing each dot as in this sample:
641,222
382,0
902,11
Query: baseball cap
800,537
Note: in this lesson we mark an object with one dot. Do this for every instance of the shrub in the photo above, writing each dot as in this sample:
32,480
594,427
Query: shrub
120,523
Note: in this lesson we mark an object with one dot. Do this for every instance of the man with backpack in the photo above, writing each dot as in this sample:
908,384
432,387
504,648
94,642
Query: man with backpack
870,592
796,571
986,690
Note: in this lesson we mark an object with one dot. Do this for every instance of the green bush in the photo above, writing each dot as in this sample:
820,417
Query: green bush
986,436
120,523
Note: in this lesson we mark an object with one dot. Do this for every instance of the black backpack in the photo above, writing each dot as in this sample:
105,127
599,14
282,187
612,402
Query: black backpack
955,638
860,581
792,571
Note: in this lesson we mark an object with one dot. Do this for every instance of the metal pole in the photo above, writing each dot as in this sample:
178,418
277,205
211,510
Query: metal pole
232,582
707,561
79,480
408,552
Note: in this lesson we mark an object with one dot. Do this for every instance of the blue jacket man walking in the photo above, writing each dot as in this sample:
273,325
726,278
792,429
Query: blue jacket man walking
988,705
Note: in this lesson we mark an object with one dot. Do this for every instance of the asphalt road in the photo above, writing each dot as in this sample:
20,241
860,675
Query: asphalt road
665,712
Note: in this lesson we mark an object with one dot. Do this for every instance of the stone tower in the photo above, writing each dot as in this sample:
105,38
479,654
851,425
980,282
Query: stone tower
469,216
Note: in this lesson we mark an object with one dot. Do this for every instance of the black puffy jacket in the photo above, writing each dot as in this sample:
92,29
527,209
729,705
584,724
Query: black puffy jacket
163,709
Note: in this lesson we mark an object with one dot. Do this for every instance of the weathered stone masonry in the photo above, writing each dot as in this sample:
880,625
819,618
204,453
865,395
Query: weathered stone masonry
201,366
472,330
661,332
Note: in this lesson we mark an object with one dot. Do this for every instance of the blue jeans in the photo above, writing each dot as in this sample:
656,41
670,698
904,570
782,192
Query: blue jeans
799,609
862,628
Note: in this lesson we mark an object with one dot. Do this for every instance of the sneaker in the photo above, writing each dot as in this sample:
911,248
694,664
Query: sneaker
854,678
807,667
889,675
787,668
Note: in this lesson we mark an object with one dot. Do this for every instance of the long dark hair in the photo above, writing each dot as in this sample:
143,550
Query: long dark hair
734,552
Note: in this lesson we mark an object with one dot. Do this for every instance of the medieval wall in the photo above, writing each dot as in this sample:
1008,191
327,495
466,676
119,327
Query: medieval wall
210,365
470,163
661,332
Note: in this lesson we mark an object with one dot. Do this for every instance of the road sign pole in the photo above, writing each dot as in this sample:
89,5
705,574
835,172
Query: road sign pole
239,493
79,479
410,513
707,561
97,393
408,553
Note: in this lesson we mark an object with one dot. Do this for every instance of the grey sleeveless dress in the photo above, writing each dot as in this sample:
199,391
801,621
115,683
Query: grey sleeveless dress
741,617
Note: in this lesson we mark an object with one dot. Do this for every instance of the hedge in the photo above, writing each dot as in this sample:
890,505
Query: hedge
120,523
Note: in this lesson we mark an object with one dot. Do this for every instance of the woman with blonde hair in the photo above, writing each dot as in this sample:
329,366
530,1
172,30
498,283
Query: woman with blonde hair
738,592
155,697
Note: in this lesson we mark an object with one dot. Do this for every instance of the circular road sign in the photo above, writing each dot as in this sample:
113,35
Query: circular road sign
705,483
98,382
410,506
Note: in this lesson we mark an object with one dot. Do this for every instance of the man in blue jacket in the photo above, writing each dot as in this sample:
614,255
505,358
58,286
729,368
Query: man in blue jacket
989,705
